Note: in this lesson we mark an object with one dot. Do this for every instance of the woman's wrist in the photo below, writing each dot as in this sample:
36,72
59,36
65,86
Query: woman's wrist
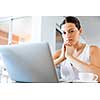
62,58
59,60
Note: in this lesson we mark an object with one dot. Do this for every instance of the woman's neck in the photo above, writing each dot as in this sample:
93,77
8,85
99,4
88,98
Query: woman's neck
78,49
78,46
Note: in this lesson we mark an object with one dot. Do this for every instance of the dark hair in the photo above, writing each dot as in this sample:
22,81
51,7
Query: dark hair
71,19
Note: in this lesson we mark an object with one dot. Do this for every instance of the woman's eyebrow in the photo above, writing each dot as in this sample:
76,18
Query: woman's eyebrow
70,29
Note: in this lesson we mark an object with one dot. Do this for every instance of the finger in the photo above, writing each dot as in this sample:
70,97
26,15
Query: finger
68,44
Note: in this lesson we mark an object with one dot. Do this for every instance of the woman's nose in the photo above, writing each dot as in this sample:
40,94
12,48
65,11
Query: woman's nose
68,35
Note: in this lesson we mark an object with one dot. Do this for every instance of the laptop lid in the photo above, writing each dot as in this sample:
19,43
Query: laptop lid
29,62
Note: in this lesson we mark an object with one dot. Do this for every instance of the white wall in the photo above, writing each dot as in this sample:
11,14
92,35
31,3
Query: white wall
91,29
48,30
36,28
44,30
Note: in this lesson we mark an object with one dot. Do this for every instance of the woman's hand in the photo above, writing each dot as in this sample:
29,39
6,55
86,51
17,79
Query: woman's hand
69,51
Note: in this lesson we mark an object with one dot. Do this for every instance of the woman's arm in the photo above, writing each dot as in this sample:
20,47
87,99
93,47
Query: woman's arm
58,57
57,54
94,65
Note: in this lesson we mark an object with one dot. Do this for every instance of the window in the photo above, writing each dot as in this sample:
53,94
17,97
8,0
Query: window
4,30
22,29
14,30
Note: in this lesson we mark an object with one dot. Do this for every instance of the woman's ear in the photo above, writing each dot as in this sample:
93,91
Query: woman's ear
81,31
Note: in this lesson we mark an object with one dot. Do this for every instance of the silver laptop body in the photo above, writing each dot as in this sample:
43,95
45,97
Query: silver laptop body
29,62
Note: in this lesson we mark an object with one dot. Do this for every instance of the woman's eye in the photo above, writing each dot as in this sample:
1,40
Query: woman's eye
64,32
71,31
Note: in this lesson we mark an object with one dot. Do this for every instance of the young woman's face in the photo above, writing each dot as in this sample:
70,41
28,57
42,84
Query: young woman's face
71,33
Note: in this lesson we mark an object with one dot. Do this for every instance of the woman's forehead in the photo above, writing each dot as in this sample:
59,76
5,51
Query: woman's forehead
68,26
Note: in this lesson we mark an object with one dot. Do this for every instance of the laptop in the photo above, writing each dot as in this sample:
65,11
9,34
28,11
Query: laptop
29,62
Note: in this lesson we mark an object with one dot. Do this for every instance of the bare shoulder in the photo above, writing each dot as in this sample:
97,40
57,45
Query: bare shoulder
94,49
57,54
95,55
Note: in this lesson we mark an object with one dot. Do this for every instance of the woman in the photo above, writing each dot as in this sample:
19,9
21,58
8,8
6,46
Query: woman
83,57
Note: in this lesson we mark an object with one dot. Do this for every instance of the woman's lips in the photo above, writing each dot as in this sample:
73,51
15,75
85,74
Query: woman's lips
69,40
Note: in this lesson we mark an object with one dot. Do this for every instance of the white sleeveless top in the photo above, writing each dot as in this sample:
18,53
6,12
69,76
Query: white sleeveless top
67,69
84,56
